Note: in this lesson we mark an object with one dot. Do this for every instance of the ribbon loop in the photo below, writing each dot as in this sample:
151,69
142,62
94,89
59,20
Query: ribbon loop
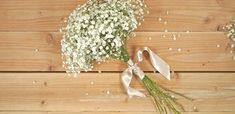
158,63
127,77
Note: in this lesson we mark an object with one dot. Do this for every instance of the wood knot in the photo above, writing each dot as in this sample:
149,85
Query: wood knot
208,19
216,88
49,68
219,2
219,28
45,83
97,108
43,102
40,12
176,75
62,18
203,64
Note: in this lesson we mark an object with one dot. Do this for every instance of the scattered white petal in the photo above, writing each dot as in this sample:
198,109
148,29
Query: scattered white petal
179,49
174,37
164,36
107,92
159,19
36,50
147,12
194,108
167,12
233,45
165,22
34,82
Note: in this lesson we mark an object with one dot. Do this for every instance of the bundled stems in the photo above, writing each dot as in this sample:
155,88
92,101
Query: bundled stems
163,98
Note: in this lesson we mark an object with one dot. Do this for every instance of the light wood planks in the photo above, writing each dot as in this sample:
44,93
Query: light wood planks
36,112
57,93
29,42
47,15
18,51
118,112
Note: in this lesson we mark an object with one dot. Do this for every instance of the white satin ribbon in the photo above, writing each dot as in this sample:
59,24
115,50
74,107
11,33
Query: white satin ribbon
159,64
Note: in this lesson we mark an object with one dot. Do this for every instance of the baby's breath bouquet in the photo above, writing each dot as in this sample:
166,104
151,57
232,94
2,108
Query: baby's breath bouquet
230,31
97,31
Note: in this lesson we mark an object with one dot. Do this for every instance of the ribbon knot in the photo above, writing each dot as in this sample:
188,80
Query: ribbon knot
133,68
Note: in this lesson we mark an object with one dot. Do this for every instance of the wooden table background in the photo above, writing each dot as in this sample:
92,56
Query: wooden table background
32,80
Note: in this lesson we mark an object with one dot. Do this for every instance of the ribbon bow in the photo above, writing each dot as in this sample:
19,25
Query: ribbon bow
159,64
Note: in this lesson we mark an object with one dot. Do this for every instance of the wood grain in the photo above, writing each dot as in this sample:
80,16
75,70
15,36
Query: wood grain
56,92
44,15
29,41
40,51
100,112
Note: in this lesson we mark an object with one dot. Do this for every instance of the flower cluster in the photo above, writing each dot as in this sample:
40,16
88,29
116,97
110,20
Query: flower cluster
230,28
97,31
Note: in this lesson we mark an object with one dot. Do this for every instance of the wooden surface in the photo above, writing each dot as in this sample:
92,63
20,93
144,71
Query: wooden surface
199,51
56,92
32,80
47,15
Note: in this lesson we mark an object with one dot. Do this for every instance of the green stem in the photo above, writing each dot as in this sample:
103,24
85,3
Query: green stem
162,98
161,94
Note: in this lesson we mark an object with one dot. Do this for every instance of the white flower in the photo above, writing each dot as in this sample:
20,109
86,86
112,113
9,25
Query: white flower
230,29
109,36
97,31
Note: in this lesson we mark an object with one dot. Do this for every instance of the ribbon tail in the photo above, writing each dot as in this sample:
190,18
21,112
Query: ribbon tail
134,92
160,65
126,80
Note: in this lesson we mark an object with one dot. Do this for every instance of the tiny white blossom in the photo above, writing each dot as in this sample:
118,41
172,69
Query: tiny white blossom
97,31
230,29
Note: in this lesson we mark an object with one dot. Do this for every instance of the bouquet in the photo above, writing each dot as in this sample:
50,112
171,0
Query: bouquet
99,30
230,31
